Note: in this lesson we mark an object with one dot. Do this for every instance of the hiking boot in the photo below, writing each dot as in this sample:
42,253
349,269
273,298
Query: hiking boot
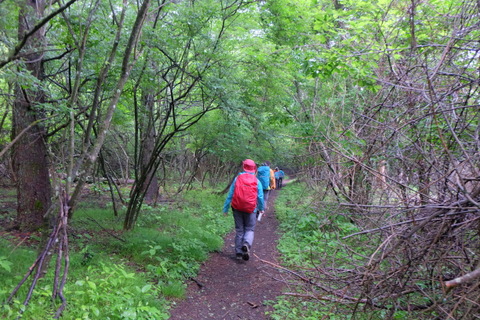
239,256
246,252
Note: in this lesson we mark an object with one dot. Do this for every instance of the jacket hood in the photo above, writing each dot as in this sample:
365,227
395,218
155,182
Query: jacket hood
249,165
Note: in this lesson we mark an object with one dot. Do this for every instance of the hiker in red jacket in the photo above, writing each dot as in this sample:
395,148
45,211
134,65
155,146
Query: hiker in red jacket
245,197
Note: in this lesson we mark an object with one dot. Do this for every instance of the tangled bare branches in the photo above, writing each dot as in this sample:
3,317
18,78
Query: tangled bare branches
409,179
423,266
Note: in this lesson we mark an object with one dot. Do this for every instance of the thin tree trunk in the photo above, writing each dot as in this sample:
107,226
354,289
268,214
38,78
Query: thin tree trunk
147,146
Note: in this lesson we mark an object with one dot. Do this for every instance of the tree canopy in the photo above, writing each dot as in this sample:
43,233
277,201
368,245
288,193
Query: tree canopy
373,103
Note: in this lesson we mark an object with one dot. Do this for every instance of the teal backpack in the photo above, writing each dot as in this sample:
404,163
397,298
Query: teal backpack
263,174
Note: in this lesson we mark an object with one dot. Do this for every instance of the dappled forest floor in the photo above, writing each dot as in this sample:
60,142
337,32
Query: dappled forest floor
226,288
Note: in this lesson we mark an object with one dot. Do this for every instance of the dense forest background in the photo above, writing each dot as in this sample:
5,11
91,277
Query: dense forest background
374,105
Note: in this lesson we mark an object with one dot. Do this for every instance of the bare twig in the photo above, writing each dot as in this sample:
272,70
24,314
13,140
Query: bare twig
463,279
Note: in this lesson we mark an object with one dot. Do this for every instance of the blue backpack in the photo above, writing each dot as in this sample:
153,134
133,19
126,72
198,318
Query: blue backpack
263,174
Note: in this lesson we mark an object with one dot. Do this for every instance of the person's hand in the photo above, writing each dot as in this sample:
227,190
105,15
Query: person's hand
225,213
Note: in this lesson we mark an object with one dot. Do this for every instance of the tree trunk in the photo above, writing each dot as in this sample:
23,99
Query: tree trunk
30,161
147,146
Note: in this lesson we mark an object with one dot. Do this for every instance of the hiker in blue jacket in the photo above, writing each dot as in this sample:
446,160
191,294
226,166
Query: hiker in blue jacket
267,177
279,175
277,178
245,198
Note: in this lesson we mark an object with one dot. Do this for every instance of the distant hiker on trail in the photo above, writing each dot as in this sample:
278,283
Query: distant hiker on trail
245,197
277,178
267,177
279,174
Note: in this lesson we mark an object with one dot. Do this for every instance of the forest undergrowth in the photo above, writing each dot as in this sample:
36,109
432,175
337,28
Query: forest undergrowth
137,274
341,268
114,274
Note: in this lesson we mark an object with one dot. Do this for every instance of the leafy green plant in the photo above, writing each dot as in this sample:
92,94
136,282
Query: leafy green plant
115,292
108,289
289,308
5,264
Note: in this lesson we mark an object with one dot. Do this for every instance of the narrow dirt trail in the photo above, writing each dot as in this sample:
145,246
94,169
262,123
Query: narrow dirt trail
226,288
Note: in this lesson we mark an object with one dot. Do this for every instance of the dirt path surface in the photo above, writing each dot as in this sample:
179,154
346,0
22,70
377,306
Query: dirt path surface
226,288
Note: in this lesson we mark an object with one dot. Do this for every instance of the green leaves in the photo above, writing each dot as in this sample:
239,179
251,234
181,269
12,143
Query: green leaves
288,22
112,291
5,264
